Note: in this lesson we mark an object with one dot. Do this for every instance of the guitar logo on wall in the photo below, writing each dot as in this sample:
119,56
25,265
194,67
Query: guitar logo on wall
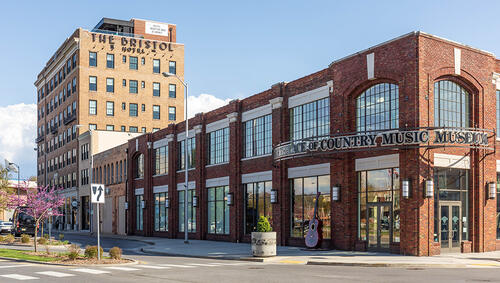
314,234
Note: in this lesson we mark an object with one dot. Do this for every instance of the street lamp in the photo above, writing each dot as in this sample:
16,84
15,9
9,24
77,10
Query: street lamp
91,175
165,74
9,164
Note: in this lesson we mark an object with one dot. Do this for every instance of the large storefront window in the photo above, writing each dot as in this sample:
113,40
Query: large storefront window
218,146
304,191
257,204
310,120
451,203
161,160
498,206
379,207
161,212
377,108
85,212
191,147
139,212
218,210
191,211
451,105
139,166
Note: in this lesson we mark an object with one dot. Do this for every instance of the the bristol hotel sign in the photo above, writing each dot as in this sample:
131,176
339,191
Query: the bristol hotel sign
422,137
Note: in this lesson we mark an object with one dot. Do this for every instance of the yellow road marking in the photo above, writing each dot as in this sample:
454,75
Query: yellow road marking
292,261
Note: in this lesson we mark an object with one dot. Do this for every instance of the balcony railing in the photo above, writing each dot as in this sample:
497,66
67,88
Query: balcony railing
117,33
69,118
53,130
39,139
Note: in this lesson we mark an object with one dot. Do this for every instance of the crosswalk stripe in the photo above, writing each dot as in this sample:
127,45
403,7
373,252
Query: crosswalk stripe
154,266
122,268
202,264
19,277
90,271
18,265
176,265
55,274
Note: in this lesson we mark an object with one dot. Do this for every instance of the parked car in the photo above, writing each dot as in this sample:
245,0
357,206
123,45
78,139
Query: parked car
22,223
5,226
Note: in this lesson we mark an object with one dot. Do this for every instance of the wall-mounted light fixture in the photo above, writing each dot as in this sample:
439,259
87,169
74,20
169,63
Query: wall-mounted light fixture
274,196
195,201
405,184
335,193
429,188
126,205
143,204
230,199
492,190
167,203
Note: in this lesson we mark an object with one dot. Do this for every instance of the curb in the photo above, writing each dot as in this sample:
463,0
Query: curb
133,262
385,264
221,257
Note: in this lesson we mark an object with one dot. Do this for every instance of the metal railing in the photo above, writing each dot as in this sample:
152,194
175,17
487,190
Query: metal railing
117,33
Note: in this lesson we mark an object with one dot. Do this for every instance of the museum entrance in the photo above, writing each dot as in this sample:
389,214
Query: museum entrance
450,226
379,226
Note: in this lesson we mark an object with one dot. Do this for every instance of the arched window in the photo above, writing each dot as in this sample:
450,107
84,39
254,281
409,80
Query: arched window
451,105
139,166
377,108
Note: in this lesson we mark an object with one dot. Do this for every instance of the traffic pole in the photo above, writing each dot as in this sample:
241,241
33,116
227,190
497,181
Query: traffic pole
98,235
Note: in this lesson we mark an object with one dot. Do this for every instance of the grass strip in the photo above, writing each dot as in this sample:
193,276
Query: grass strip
18,254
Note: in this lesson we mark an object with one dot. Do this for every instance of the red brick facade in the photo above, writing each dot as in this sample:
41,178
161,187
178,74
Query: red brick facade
414,62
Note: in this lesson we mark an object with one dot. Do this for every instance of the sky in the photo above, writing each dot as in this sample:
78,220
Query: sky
233,49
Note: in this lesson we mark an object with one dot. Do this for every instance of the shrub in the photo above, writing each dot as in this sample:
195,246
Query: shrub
10,238
42,241
73,251
91,251
2,238
61,237
47,249
46,236
263,225
25,238
115,253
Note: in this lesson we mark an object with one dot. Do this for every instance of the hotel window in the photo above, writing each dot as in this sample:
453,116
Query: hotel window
218,210
92,83
143,129
498,113
110,85
124,82
379,201
451,105
171,67
73,59
110,127
110,108
139,212
191,211
93,107
143,60
132,86
257,204
304,192
124,106
310,120
124,59
156,66
161,212
123,128
132,129
191,147
92,127
161,160
218,146
68,66
377,108
156,112
139,166
143,84
73,85
143,107
257,136
171,113
110,61
92,59
132,109
156,89
172,93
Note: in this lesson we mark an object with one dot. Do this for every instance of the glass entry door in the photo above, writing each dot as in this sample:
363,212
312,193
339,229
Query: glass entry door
379,228
450,226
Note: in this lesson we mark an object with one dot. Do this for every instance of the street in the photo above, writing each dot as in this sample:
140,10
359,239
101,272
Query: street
153,268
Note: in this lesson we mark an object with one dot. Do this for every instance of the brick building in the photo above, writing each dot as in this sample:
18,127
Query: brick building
399,140
108,78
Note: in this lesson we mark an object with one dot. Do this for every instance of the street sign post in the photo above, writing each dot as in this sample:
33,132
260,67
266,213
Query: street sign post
97,197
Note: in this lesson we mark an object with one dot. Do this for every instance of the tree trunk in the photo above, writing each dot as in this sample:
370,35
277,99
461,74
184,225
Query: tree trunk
36,233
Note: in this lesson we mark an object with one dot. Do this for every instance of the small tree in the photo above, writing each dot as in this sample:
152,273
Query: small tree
37,203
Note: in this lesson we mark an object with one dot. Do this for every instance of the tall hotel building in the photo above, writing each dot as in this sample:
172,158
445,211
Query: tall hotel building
106,79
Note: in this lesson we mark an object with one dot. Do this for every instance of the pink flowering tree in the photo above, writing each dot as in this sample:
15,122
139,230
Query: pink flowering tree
38,203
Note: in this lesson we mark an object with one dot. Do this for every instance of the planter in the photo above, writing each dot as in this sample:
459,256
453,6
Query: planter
263,244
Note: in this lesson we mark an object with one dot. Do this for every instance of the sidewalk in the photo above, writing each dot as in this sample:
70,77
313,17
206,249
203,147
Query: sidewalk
296,255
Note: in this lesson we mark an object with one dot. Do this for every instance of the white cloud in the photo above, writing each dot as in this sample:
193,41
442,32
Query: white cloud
204,103
17,136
